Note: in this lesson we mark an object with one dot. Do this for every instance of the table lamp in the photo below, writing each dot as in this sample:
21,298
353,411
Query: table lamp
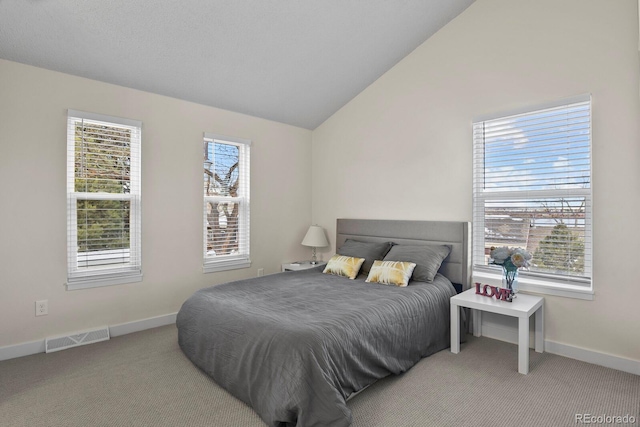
316,239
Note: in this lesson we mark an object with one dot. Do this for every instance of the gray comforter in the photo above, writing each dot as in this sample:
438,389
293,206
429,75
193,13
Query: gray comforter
295,345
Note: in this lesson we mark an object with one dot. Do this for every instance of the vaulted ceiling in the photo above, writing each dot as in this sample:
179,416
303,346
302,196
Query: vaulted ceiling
292,61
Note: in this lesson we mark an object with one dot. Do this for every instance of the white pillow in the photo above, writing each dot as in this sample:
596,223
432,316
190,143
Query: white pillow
395,273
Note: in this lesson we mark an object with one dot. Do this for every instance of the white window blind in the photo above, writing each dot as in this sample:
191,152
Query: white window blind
103,200
226,203
532,189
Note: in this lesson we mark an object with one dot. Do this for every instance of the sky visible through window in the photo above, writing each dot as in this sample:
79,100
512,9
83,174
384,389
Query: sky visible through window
540,152
534,182
547,150
220,159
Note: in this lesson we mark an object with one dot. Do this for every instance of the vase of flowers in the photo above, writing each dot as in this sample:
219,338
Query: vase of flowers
511,260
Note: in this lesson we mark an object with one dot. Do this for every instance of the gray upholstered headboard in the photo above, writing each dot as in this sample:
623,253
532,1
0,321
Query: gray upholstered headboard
456,267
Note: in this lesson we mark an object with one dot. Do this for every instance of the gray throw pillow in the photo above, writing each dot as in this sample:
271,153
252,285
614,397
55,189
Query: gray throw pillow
427,258
367,250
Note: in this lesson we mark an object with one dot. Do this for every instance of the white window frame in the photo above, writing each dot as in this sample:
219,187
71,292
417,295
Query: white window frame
580,288
83,277
242,259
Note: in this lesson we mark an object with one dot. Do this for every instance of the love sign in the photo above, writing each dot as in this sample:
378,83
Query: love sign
494,291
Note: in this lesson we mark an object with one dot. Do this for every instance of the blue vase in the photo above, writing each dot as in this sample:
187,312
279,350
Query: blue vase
510,279
514,283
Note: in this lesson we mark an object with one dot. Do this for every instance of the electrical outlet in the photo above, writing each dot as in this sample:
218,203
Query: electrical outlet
260,272
42,307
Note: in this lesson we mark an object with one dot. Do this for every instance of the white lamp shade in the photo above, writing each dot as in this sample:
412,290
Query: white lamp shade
315,237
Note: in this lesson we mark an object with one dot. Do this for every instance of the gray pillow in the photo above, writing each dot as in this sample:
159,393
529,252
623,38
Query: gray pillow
427,258
367,250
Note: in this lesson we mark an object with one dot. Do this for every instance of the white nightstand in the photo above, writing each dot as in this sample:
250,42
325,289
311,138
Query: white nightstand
300,265
522,307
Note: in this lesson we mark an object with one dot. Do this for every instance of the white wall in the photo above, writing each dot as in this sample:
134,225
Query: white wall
33,105
402,149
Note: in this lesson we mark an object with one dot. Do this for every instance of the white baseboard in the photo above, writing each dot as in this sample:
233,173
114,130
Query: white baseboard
584,355
23,349
590,356
500,333
38,346
141,325
490,331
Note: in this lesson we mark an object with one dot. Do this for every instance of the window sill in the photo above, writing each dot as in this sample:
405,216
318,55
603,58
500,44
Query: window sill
99,281
538,286
215,266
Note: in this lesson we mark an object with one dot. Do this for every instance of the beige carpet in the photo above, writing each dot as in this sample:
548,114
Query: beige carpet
143,379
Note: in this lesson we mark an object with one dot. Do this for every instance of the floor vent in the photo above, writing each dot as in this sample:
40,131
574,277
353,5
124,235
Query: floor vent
75,340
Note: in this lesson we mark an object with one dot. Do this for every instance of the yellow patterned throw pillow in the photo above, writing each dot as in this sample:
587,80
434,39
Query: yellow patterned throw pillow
391,272
346,266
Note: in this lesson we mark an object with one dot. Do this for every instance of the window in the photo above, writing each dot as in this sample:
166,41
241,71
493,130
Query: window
532,189
103,200
226,203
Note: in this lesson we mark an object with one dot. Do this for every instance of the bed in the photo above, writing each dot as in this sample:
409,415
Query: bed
296,345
